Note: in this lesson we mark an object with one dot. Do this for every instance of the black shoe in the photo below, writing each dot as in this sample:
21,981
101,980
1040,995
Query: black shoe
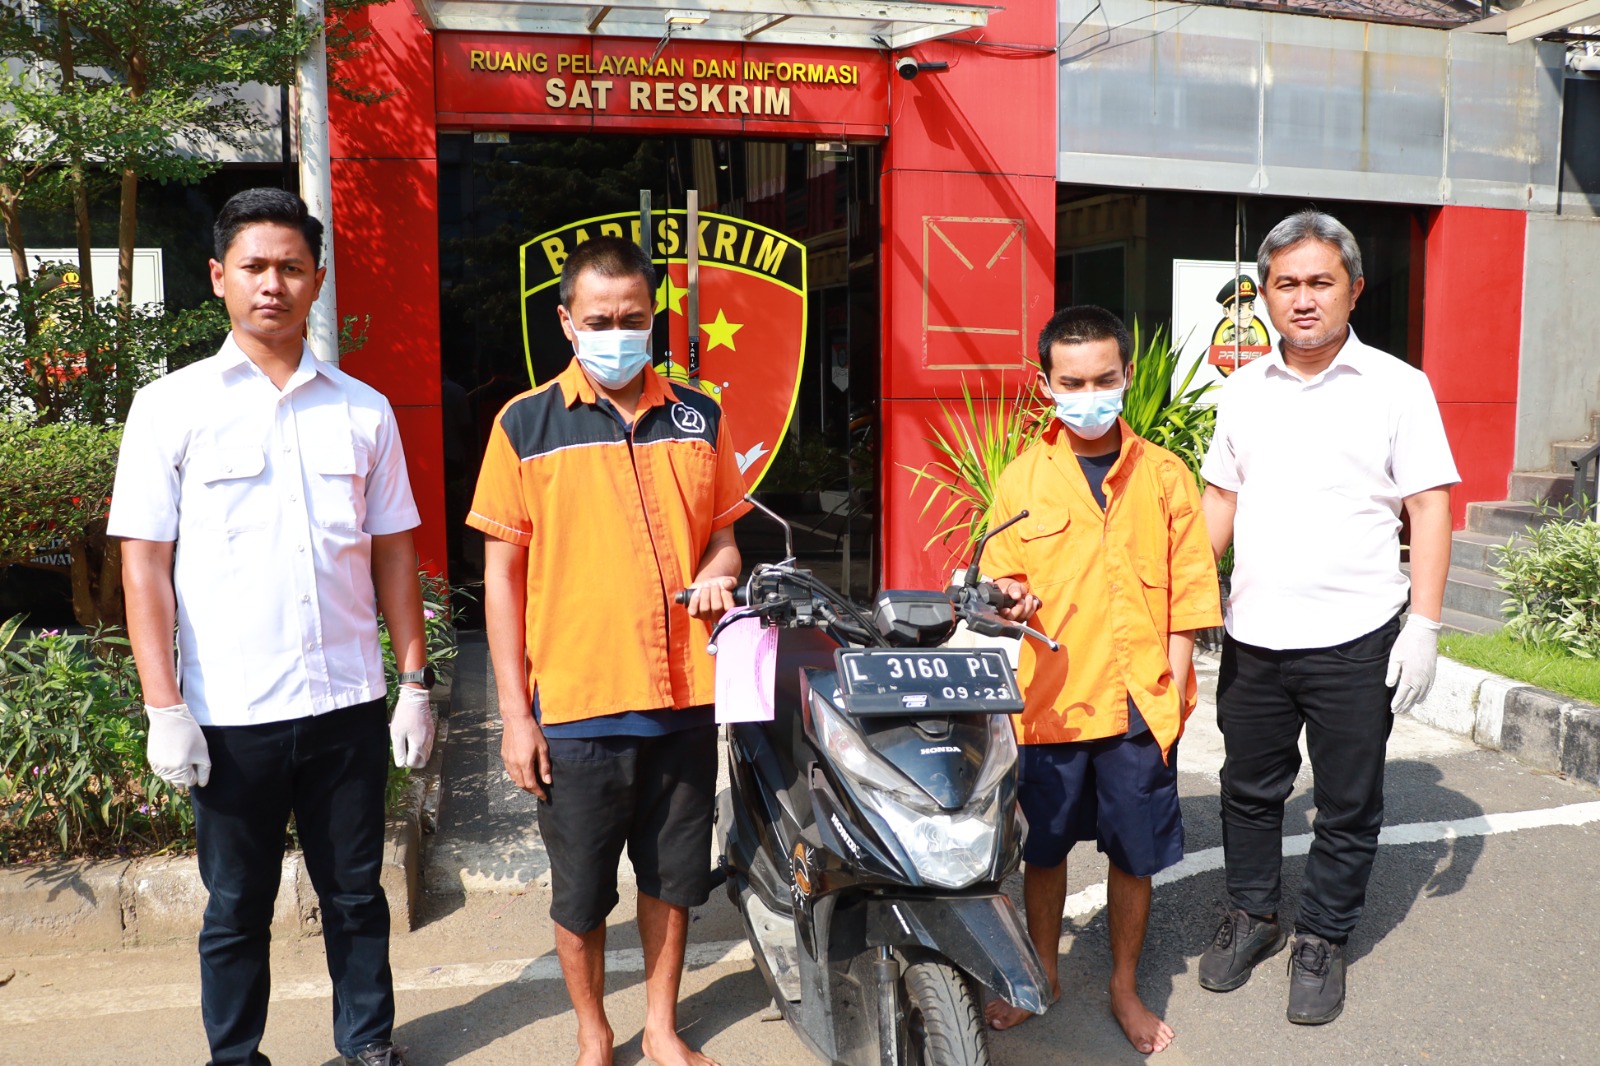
1241,942
1316,980
377,1055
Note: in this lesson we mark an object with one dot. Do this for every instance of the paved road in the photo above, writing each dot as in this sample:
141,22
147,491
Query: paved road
1480,945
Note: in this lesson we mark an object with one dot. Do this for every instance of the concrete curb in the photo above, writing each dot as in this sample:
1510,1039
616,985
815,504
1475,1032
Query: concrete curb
99,905
1543,729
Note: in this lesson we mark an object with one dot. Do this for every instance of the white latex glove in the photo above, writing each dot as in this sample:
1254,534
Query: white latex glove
411,728
1412,662
176,748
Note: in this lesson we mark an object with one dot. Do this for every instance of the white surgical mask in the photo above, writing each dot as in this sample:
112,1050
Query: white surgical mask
1089,414
613,357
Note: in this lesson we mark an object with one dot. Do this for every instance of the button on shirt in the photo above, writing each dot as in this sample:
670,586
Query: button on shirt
273,498
1321,468
1114,583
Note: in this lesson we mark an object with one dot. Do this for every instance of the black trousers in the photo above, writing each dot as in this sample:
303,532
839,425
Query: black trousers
329,771
1338,695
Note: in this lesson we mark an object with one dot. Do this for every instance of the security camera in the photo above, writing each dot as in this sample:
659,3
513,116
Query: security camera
909,68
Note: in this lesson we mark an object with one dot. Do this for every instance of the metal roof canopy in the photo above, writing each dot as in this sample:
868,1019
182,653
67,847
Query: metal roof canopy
835,23
1538,18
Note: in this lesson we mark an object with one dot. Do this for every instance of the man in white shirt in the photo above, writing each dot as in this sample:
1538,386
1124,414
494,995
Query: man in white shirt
1317,448
265,509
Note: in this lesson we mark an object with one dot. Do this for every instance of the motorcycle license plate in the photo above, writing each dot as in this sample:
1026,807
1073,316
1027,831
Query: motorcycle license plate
927,681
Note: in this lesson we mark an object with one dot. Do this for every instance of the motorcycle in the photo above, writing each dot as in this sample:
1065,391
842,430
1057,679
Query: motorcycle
872,818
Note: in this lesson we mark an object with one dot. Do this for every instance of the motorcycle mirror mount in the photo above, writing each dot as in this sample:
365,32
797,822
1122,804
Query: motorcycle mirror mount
970,578
788,532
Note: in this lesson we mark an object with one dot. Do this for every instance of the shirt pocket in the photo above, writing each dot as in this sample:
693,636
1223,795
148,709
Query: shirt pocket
233,495
335,480
1044,549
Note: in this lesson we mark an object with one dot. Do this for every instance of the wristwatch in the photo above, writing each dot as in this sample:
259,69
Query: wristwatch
423,677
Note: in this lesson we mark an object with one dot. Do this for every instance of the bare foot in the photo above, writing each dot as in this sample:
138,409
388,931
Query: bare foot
668,1049
1001,1015
1147,1033
594,1047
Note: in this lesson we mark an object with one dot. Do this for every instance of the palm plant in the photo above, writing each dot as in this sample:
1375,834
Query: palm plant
1179,419
978,439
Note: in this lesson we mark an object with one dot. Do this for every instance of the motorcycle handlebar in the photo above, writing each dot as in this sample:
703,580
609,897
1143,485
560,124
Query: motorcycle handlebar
682,598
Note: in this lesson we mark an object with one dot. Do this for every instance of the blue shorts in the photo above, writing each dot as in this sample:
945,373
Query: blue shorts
1115,791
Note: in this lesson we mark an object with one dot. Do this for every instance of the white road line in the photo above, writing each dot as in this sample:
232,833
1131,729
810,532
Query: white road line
77,1005
1083,903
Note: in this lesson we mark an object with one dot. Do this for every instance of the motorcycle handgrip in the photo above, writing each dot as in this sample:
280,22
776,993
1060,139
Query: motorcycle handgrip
995,598
682,598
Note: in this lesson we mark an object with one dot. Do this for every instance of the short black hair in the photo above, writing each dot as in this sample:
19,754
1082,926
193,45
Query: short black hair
610,257
266,205
1080,325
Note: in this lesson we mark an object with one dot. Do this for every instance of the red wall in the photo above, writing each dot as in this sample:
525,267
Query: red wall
967,260
1471,337
969,224
386,244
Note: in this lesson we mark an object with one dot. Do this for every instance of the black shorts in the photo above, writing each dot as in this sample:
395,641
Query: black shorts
653,794
1116,791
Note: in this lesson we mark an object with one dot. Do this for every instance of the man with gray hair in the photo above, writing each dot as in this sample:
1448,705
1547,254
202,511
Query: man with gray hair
1317,448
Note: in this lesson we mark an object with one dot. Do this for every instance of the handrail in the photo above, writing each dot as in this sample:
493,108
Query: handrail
1581,482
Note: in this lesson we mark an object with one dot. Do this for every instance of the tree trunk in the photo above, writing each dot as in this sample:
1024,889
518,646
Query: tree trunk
127,231
128,210
109,603
83,599
11,213
80,188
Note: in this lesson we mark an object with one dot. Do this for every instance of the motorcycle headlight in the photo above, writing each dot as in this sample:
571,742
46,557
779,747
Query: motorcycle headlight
948,850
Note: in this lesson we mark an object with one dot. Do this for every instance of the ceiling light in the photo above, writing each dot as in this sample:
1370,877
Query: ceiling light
686,18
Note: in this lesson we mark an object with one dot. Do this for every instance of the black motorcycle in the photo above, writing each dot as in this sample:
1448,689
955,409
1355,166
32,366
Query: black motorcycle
870,822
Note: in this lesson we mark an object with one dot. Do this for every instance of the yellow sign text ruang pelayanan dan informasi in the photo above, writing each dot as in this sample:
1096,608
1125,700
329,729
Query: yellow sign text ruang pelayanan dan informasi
740,87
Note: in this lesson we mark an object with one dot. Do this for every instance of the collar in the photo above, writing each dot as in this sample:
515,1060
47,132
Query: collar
230,357
1351,356
576,388
1132,445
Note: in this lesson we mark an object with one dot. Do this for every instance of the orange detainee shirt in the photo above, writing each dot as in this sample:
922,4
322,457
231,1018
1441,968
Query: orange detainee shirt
1113,586
615,519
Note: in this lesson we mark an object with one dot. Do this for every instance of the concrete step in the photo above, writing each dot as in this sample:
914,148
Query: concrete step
1476,551
1471,592
1565,453
1505,518
1541,487
1461,622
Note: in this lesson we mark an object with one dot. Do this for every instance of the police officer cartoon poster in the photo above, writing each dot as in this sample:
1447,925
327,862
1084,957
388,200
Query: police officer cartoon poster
1215,318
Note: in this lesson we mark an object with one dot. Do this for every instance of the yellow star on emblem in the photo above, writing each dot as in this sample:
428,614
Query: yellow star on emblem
669,295
721,332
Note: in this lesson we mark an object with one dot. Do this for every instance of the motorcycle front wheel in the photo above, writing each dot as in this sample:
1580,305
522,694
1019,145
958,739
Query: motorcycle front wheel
944,1020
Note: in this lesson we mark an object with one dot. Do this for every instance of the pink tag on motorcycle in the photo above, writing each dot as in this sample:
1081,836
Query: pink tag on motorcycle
747,663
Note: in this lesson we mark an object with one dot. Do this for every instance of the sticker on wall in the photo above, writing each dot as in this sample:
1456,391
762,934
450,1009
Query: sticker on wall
1216,316
752,317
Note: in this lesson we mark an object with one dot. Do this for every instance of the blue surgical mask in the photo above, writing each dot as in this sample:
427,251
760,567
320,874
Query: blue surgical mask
1089,414
613,357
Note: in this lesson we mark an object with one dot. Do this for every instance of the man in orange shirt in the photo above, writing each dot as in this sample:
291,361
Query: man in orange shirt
608,485
1113,561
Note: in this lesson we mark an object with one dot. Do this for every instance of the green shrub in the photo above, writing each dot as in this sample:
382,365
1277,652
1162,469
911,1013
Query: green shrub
1552,581
72,749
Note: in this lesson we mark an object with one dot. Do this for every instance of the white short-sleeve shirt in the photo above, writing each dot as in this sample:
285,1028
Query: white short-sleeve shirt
273,499
1321,468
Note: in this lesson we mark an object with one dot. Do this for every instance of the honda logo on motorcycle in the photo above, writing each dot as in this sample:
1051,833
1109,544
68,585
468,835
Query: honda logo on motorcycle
752,326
